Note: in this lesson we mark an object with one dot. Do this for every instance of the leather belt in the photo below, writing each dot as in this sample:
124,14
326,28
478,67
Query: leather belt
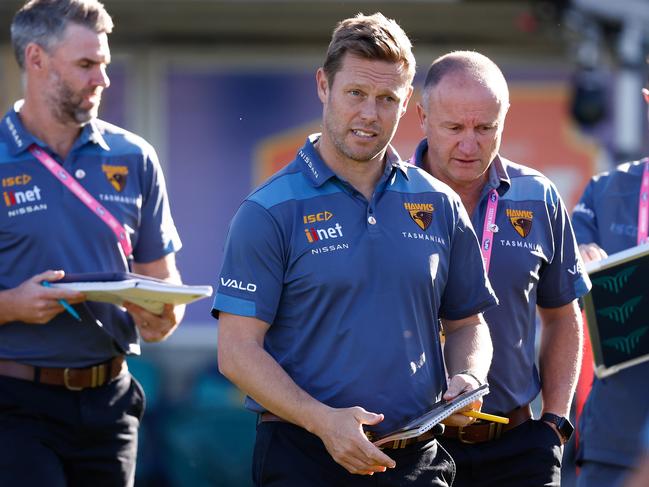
396,444
72,379
482,431
270,417
392,445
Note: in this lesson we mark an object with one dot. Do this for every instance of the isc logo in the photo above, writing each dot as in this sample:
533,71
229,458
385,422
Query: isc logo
323,216
16,180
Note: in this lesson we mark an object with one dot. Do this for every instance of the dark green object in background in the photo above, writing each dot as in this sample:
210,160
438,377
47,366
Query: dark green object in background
617,310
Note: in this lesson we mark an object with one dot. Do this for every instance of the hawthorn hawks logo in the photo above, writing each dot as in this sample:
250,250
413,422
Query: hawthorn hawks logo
116,176
421,213
521,220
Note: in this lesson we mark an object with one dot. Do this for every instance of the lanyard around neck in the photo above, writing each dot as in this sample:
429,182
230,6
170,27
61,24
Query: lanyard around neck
86,198
643,206
489,228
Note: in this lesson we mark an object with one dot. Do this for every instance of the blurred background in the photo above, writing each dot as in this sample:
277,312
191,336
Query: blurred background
225,91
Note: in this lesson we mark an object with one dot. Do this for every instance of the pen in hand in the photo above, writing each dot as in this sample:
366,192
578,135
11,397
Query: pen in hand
65,304
486,416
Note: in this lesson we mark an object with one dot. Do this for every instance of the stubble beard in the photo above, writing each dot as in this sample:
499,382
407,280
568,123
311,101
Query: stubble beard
66,104
337,135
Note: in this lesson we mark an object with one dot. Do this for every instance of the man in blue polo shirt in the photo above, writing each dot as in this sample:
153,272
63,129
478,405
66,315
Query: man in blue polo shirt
335,274
69,410
532,260
606,221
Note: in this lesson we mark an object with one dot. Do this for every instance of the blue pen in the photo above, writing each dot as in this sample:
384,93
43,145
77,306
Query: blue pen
65,304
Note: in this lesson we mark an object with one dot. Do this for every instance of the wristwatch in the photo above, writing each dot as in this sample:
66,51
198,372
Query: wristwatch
564,425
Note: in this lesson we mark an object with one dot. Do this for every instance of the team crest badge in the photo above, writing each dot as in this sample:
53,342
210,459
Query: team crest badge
421,213
116,176
521,220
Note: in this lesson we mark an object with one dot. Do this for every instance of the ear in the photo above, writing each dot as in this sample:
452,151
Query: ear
34,57
645,94
421,115
404,107
322,84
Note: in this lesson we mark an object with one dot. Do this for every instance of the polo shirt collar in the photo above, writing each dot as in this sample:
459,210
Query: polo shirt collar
20,139
498,177
91,133
318,172
418,157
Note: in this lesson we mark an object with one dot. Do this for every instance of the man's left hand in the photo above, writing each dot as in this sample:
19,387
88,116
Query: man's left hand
556,430
152,327
460,383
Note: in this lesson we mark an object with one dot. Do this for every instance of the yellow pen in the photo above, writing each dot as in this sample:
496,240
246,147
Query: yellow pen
486,417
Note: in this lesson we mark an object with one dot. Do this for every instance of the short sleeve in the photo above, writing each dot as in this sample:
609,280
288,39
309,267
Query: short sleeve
563,279
157,235
252,275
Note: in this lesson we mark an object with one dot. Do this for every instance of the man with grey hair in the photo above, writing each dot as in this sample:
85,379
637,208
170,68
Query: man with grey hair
69,409
531,257
348,259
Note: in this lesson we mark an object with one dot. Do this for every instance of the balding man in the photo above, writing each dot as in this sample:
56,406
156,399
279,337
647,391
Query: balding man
531,257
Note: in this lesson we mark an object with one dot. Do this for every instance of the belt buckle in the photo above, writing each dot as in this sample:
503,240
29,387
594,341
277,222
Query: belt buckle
460,436
495,432
66,381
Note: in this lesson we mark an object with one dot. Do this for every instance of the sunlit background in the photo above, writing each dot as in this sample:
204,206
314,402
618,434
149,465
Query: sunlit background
225,91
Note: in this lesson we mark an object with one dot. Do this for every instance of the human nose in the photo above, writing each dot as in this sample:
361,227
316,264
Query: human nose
369,109
468,143
101,77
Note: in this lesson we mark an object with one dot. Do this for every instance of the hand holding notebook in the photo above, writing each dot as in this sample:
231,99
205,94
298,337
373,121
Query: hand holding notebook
437,413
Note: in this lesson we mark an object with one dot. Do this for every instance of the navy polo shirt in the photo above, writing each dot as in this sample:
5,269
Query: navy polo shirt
610,425
43,225
353,289
534,261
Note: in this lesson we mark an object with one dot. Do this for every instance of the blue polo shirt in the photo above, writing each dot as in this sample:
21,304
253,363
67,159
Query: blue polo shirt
534,261
353,289
610,425
43,225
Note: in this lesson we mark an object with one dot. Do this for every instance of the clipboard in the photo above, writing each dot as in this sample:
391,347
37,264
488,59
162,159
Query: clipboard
617,310
438,412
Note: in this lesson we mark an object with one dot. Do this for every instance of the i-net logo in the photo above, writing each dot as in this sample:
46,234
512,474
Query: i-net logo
13,198
315,235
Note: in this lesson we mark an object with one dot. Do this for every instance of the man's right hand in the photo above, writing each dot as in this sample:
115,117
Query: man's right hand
341,431
31,302
592,252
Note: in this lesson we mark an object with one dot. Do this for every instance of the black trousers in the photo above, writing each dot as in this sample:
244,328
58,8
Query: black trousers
50,436
288,456
526,456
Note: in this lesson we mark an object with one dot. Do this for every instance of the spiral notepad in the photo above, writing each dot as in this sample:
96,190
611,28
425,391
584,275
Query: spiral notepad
440,411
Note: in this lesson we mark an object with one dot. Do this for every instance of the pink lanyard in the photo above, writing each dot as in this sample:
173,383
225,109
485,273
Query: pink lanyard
87,199
489,228
643,206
